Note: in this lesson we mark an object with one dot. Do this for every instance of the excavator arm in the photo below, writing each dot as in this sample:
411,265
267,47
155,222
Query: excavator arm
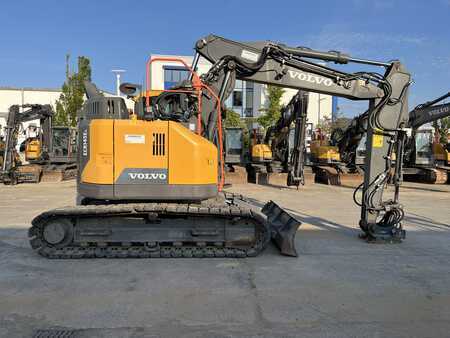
300,68
291,151
429,112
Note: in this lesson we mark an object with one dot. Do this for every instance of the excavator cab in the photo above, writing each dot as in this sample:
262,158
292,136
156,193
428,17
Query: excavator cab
64,145
234,145
424,146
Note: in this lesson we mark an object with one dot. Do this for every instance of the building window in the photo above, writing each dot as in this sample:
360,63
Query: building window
173,75
241,100
248,111
237,98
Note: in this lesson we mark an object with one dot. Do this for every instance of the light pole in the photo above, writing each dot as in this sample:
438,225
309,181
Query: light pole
318,97
118,72
318,104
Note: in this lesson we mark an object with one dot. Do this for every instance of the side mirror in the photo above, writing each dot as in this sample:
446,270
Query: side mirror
129,89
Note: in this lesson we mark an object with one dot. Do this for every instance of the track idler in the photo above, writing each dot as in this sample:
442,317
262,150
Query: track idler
283,228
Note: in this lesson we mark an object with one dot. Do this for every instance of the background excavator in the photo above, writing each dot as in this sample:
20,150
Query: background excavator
426,160
340,160
150,185
284,149
50,151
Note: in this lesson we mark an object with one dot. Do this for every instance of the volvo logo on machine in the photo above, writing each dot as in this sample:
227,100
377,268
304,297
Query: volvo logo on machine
440,110
143,176
85,143
310,78
148,176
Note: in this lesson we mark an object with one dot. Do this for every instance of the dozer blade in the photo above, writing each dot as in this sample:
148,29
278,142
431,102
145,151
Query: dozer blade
59,173
283,228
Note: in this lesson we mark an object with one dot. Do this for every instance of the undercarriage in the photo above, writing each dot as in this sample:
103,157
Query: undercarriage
337,175
438,175
35,173
227,228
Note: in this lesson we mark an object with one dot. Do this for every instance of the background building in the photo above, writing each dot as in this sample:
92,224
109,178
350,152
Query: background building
247,99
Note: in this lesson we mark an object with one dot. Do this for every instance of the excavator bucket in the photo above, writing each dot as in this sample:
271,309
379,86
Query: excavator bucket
283,228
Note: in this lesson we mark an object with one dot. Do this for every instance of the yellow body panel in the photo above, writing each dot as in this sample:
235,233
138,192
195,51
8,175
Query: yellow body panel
324,153
261,153
133,145
99,168
439,152
192,158
188,157
32,149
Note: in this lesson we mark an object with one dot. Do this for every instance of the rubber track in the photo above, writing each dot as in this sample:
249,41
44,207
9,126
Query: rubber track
38,243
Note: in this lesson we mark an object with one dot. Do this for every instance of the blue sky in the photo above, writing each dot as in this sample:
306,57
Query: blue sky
36,35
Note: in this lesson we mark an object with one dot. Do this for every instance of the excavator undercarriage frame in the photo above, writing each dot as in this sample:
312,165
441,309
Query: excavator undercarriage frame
216,228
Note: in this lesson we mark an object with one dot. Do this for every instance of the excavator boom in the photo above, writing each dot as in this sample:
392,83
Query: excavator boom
387,94
290,152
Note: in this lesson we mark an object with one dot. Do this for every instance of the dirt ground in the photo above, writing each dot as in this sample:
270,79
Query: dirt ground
339,286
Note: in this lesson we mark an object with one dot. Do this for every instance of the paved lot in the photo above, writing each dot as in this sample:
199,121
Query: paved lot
338,287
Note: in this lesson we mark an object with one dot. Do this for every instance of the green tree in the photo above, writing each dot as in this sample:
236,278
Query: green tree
442,127
72,96
273,111
233,119
325,125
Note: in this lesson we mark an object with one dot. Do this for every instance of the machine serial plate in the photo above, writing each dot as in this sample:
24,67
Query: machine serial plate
135,139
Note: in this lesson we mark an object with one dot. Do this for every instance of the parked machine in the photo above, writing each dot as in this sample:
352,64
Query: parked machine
340,160
286,142
425,159
49,151
282,149
150,186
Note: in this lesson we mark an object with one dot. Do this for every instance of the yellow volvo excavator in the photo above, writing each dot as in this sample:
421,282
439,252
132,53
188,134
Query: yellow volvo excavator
150,186
50,153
